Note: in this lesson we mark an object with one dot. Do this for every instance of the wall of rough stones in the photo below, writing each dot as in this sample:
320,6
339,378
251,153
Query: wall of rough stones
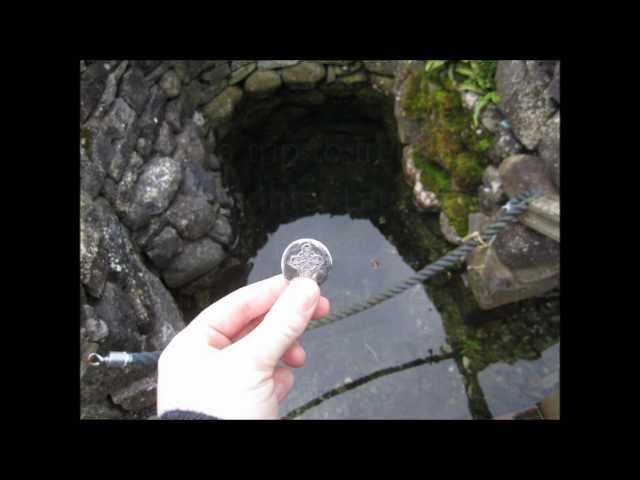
156,216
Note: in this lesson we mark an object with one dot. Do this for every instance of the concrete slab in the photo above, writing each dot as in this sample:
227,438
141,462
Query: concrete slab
512,388
400,330
431,391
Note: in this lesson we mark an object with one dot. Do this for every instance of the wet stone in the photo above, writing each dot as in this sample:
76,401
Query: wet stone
522,89
430,392
334,62
197,181
347,69
196,259
92,85
366,342
241,73
381,67
91,175
512,388
353,79
303,76
173,115
272,64
521,247
382,84
155,189
524,173
134,89
237,64
192,216
166,245
262,83
196,67
549,149
207,92
221,108
137,395
165,143
170,84
212,161
216,74
222,232
190,145
144,147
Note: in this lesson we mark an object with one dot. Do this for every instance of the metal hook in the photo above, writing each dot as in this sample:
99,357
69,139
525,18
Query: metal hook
95,360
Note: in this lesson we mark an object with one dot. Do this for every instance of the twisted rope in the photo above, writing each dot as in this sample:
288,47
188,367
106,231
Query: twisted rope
507,215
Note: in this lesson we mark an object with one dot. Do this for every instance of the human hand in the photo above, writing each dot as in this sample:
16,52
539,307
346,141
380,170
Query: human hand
225,362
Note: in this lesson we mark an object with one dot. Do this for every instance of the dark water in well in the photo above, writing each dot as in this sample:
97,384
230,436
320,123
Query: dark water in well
427,353
395,333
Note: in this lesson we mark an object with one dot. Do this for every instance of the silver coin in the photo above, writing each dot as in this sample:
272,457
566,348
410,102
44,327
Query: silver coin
306,258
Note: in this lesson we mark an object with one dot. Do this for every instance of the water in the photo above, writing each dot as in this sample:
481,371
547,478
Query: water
426,353
365,262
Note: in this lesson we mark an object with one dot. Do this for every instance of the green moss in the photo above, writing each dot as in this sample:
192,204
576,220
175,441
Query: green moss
434,178
457,207
447,126
470,346
467,172
450,152
86,140
484,144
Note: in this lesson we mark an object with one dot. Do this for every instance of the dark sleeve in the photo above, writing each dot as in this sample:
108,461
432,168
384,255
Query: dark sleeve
185,415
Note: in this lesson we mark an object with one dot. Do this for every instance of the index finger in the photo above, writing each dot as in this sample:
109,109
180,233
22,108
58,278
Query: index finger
230,314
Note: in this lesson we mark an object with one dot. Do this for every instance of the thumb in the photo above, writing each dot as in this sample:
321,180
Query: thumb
285,322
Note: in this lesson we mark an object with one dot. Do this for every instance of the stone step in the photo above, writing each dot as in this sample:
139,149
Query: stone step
543,216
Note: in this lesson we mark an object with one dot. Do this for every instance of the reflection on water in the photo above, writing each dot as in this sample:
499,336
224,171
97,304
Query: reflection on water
399,330
358,205
364,261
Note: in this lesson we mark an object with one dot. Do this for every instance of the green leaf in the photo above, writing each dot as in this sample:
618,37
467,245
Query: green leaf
433,65
468,86
451,76
465,71
491,97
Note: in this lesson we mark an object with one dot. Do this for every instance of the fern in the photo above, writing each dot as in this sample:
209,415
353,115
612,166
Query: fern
468,76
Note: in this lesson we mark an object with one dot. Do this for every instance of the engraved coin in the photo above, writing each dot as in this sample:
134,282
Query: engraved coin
306,258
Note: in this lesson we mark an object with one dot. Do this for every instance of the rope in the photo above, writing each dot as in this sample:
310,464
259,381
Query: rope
507,215
511,210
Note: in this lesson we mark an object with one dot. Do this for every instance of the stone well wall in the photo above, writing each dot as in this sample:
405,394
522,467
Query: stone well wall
158,220
156,216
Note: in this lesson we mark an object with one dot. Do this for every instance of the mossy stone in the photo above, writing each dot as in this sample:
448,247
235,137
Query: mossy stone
457,206
262,82
467,172
221,108
304,75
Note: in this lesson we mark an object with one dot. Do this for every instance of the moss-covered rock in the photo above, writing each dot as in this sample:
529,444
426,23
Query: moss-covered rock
467,172
221,108
457,206
262,82
304,75
449,151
